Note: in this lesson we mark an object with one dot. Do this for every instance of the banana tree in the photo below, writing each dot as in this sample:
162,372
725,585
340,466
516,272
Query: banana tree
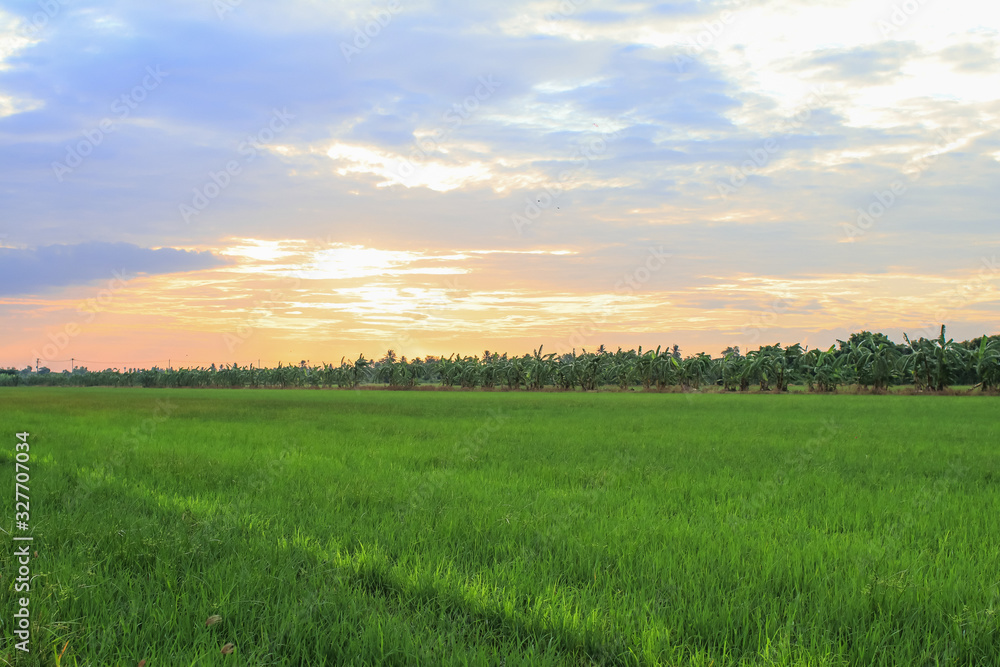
490,374
730,368
986,361
936,362
693,370
359,370
644,367
875,363
451,370
822,369
539,369
784,364
758,368
948,357
566,374
590,369
514,373
917,364
470,372
622,372
666,370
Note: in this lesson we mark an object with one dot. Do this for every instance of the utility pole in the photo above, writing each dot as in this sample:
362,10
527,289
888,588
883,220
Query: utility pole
72,364
36,365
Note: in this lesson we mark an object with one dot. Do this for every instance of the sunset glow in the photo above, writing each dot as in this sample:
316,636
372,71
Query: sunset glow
702,174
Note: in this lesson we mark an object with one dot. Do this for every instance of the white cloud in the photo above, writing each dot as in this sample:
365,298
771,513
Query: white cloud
399,170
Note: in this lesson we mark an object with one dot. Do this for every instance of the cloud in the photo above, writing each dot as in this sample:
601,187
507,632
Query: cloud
393,148
861,66
30,271
978,57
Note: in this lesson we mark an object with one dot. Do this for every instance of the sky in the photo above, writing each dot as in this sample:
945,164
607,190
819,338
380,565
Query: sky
238,181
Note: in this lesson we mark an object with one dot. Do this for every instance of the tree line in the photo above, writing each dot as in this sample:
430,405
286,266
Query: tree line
869,361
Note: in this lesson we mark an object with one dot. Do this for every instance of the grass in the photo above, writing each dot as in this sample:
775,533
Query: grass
393,528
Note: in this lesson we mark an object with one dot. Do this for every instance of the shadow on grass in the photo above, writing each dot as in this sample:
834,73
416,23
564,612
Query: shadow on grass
151,544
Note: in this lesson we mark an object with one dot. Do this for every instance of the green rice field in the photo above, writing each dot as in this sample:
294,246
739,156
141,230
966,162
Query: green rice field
313,527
